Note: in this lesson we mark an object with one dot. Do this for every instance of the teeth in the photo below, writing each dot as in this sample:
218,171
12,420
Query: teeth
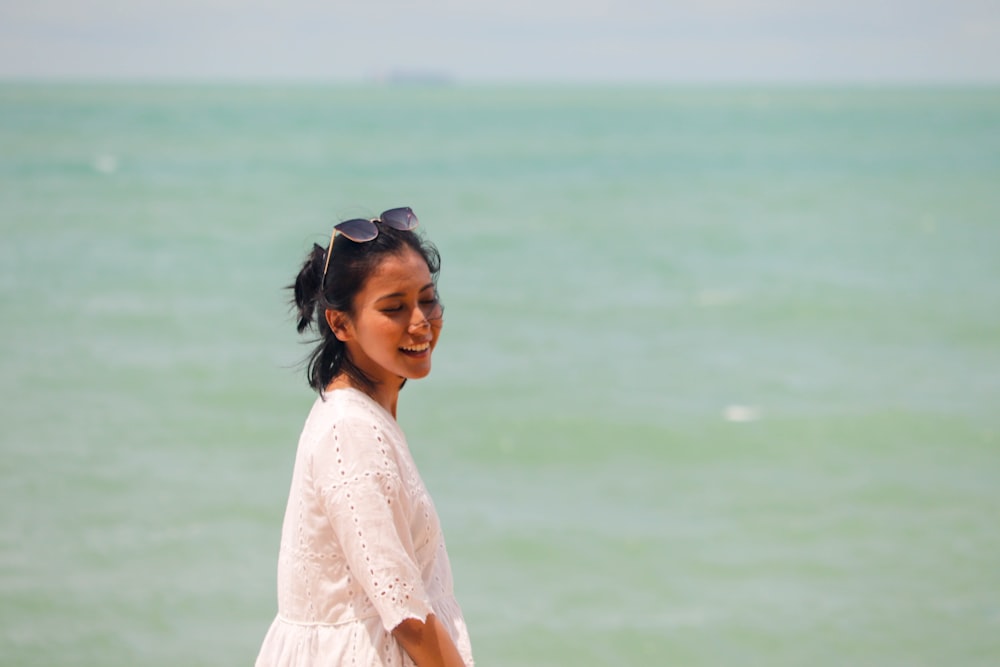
417,348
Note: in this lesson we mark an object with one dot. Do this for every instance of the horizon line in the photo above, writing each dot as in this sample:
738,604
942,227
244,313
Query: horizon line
439,80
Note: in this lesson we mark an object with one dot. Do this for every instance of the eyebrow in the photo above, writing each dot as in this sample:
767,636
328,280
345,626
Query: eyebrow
397,295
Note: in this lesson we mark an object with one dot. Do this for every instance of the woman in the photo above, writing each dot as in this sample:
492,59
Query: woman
363,574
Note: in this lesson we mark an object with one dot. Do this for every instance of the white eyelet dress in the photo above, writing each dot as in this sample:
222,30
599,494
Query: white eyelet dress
361,545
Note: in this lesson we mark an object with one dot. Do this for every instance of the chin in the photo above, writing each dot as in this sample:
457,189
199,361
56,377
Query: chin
418,375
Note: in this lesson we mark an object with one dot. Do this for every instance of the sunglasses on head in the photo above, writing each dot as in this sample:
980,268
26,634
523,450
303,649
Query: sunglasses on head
360,230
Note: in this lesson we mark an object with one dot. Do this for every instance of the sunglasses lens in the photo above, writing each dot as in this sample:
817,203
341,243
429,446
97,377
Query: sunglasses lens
358,230
403,219
433,312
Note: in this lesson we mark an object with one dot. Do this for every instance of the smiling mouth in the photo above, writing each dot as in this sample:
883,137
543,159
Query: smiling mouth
416,349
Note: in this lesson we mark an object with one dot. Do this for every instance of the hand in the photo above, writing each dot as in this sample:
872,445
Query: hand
428,643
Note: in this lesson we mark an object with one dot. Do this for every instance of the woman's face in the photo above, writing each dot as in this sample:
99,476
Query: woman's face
396,321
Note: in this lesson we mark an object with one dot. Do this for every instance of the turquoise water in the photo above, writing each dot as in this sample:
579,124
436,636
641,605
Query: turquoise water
719,382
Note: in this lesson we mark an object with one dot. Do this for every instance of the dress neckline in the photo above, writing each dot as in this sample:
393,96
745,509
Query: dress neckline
366,398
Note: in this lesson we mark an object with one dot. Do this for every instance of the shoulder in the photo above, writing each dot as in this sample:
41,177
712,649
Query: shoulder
351,429
341,408
351,409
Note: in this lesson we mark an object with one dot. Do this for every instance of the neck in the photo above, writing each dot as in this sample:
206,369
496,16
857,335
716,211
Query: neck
385,394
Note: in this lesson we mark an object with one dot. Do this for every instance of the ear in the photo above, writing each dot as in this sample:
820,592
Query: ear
339,324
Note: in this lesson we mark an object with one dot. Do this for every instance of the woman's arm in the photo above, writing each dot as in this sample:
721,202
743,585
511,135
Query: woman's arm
428,643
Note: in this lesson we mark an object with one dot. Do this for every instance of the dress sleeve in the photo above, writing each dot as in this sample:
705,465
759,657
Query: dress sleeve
359,483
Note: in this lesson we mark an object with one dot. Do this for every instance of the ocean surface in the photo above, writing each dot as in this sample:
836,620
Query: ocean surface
719,382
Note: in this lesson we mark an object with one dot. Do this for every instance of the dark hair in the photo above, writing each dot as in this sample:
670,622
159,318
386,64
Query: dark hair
351,265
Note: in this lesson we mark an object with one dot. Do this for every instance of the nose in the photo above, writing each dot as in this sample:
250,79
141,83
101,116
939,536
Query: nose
418,320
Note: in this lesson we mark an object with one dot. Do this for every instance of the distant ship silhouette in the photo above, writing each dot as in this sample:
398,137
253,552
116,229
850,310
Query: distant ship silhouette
414,77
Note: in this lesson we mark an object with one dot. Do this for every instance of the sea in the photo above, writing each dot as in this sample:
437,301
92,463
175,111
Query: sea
719,382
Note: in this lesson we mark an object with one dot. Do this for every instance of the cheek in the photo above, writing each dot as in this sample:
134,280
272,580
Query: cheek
378,332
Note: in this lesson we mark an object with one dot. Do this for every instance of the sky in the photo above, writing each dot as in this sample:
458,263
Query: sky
867,41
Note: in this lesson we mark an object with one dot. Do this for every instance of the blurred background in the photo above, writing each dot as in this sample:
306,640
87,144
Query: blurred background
720,377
